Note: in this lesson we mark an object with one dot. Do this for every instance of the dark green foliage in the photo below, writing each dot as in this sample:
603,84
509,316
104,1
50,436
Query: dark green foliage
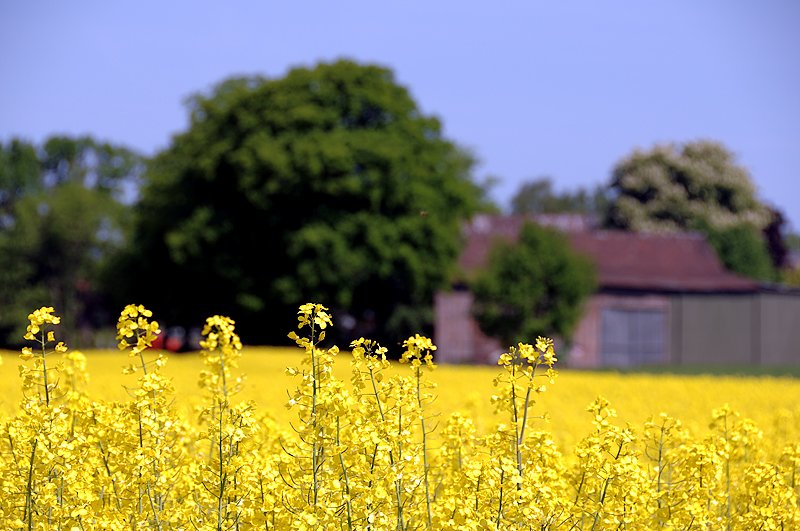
326,185
19,176
743,250
535,287
775,237
538,197
62,220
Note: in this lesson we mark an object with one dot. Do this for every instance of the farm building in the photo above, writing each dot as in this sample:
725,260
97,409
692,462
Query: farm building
661,299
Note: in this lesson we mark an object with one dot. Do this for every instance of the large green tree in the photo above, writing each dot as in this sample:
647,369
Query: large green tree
328,184
62,216
693,186
533,287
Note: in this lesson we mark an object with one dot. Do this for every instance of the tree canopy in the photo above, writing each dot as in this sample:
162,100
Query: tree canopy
534,287
61,219
696,186
328,184
672,187
537,196
742,248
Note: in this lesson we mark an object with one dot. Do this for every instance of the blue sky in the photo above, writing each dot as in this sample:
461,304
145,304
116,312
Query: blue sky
560,88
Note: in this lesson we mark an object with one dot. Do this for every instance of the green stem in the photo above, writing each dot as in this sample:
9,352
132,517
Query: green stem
107,466
398,484
515,418
221,472
580,487
522,436
346,481
156,520
398,487
424,448
222,374
143,362
377,397
315,445
606,483
478,489
44,370
500,502
525,412
29,489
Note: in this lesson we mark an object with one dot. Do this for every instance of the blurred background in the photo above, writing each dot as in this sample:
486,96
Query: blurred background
241,159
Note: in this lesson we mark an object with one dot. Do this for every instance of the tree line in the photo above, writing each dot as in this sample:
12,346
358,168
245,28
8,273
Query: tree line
326,184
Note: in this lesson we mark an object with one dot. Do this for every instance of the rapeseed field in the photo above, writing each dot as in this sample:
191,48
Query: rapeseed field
313,438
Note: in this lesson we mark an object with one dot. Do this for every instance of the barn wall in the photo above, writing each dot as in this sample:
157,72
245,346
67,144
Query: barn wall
780,329
714,329
587,340
457,336
703,329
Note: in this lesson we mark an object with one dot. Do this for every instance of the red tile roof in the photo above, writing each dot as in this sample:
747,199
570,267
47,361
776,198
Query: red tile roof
682,262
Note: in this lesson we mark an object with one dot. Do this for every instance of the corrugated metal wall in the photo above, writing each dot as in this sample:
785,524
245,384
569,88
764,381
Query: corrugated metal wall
780,329
736,329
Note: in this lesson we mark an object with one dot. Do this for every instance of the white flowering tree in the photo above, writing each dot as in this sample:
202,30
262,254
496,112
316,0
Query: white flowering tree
694,186
674,187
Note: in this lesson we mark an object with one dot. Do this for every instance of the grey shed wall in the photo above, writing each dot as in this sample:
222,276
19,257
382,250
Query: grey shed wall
780,329
761,328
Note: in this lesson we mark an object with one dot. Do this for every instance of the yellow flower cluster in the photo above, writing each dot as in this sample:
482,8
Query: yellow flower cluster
419,351
39,377
222,349
368,454
134,324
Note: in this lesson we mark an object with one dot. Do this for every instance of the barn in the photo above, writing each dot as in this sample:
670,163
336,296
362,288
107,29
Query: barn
661,299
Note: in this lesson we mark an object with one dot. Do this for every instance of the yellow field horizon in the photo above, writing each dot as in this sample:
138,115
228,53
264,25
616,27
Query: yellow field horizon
772,402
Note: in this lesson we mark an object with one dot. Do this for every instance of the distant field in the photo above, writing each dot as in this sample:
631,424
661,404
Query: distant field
772,401
792,371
